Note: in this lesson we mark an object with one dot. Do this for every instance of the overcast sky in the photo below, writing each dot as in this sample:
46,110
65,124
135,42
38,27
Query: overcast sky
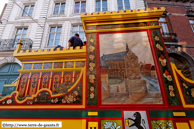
2,3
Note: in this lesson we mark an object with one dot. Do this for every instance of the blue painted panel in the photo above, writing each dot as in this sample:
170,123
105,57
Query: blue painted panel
8,74
5,69
11,79
10,69
2,82
8,90
15,68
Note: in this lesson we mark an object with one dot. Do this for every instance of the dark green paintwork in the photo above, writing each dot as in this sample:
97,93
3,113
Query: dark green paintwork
169,114
171,100
187,91
91,101
57,113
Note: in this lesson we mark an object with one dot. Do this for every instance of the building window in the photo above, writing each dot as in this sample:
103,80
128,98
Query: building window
54,36
21,33
101,5
165,28
28,10
59,8
192,24
79,29
80,7
123,4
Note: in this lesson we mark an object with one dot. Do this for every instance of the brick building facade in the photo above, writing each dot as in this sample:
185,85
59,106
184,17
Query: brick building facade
177,19
178,33
121,65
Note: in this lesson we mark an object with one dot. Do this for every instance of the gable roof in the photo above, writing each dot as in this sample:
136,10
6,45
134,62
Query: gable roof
112,57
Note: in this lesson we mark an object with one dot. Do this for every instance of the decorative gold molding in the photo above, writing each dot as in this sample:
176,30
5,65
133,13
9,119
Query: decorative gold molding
121,22
148,14
123,29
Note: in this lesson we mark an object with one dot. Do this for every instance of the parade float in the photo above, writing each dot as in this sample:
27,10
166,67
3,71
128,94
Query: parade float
122,79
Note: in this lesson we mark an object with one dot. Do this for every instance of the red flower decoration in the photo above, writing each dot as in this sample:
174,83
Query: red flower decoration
162,57
166,73
74,95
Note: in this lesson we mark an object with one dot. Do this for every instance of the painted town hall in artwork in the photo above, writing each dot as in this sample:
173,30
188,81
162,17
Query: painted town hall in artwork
121,79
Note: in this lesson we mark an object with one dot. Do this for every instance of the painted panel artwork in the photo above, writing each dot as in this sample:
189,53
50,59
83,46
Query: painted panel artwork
56,81
45,81
135,120
22,86
33,84
128,74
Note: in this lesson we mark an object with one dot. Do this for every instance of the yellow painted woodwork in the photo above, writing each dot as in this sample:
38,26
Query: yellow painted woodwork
73,76
182,125
155,12
50,80
58,54
92,125
140,15
39,82
28,83
192,124
92,113
18,48
14,84
32,66
66,123
22,66
179,114
175,72
62,80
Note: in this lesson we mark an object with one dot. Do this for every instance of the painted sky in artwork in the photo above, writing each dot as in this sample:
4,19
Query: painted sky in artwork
137,41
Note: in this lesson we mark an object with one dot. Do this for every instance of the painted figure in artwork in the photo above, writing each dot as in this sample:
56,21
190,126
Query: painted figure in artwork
137,121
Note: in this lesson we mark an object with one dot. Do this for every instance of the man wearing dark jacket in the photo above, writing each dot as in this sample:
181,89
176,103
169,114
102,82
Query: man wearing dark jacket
75,41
